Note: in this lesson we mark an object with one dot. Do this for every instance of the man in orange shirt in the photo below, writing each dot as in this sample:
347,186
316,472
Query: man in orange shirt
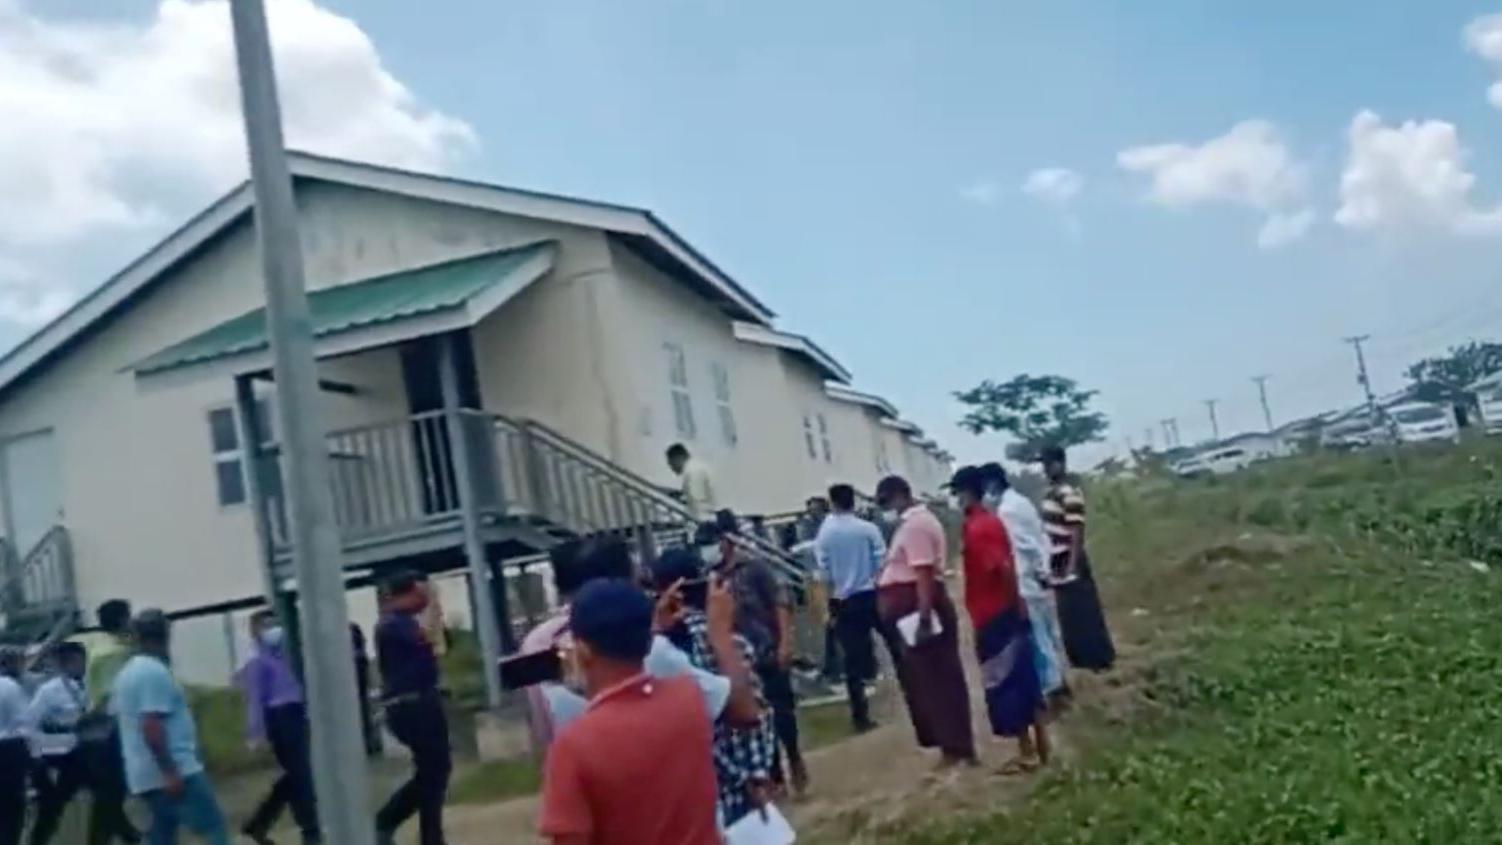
636,768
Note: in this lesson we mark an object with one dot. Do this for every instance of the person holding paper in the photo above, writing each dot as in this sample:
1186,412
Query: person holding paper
911,588
1003,637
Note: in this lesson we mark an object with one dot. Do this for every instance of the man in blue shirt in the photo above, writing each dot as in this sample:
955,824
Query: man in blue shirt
160,741
414,710
849,552
276,713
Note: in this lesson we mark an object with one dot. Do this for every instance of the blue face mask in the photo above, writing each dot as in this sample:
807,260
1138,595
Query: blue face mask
273,637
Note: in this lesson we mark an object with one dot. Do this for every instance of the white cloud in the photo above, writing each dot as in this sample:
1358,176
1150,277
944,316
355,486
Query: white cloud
1410,176
1248,166
982,192
1483,36
1053,185
1279,229
109,126
24,299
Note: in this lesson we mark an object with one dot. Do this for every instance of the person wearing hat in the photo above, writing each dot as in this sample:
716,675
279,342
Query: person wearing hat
911,596
636,766
1030,549
1003,639
744,755
1087,639
163,766
15,755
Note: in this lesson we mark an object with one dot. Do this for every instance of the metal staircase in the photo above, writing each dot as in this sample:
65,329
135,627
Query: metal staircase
396,493
39,598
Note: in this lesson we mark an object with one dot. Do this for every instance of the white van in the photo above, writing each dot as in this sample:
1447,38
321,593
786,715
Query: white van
1354,433
1489,398
1424,422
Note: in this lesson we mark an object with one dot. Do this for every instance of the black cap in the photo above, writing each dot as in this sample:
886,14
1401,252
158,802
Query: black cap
677,565
968,479
1052,453
614,618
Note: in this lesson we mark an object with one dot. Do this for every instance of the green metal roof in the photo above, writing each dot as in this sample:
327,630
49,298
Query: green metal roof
361,304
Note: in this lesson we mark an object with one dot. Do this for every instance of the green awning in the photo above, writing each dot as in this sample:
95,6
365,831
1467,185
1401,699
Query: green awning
456,286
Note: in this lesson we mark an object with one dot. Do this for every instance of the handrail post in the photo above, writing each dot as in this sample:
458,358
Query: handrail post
536,471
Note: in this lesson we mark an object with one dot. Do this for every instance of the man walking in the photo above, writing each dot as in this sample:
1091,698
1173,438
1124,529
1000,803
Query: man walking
697,484
276,713
414,711
159,740
100,750
911,594
15,756
849,552
53,719
636,766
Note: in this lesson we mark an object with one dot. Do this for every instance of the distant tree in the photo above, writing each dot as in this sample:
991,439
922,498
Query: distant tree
1036,410
1445,378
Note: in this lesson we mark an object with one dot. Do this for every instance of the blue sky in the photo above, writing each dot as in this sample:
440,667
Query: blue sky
859,165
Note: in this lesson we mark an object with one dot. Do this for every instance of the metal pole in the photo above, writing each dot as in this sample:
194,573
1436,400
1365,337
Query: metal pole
1267,411
339,774
1214,422
474,546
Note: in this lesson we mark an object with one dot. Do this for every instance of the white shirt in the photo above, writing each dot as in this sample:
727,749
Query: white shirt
12,709
698,490
665,660
1030,545
58,703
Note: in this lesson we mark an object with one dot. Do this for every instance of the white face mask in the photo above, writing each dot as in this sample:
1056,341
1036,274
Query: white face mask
890,516
273,637
992,499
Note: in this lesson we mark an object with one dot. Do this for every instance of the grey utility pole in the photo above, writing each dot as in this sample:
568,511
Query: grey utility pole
1214,422
1361,375
338,749
1167,433
1267,412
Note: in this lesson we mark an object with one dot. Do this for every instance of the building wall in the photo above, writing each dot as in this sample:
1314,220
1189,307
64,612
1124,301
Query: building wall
135,462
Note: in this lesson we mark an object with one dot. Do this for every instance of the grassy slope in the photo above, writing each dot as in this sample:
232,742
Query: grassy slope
1278,692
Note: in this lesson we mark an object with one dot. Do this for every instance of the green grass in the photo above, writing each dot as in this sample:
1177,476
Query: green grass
1343,694
497,780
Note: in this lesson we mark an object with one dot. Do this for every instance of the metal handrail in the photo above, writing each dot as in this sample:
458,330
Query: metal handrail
646,492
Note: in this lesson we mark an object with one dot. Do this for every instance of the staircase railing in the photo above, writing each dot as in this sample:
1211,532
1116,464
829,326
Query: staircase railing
554,477
42,587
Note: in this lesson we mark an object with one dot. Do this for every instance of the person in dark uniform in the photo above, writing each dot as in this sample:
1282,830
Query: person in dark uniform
414,710
362,683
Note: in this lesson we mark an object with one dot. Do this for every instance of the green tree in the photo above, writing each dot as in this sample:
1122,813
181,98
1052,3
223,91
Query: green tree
1036,411
1446,378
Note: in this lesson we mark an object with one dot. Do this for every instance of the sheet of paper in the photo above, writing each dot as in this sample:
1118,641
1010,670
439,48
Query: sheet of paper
908,627
754,830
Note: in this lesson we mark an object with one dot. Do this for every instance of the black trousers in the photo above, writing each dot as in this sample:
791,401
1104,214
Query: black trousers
421,726
105,770
58,779
856,621
777,687
287,733
15,764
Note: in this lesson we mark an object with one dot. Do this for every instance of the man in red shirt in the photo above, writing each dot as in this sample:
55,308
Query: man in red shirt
1003,637
635,769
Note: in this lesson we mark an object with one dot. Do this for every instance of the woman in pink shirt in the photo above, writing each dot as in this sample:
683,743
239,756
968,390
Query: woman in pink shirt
929,669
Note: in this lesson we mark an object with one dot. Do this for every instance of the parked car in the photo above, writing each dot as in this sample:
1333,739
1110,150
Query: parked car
1424,422
1355,433
1228,460
1191,467
1489,397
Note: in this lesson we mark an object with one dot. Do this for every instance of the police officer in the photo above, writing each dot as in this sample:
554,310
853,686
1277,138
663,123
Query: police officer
414,710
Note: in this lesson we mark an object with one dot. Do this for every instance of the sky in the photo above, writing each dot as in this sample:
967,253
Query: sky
1159,199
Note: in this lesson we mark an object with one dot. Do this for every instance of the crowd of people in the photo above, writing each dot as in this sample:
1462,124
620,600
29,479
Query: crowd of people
112,719
672,716
677,669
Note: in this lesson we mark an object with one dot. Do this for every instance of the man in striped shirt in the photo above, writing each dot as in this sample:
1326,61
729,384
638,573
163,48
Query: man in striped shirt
1087,639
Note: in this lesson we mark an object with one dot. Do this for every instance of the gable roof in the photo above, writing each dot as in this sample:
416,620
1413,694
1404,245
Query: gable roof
639,225
795,343
845,393
413,303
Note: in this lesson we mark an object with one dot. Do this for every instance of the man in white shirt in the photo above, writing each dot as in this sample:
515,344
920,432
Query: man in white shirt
697,483
52,719
1031,549
15,755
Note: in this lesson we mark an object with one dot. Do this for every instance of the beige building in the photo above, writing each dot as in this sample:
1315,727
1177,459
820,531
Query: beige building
556,346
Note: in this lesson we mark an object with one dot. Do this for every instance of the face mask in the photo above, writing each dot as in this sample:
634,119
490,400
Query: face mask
710,555
890,516
273,637
992,499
